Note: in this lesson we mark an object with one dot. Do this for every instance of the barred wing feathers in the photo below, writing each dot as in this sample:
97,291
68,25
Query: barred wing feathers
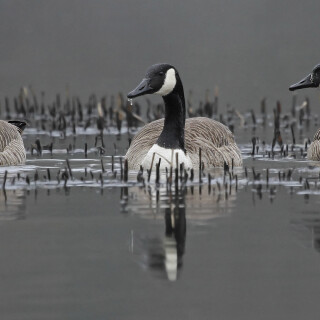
12,151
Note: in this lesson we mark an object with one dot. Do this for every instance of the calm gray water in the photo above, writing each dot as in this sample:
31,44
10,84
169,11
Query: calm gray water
246,246
127,251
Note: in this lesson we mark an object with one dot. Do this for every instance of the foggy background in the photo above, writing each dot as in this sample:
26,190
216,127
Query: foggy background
250,49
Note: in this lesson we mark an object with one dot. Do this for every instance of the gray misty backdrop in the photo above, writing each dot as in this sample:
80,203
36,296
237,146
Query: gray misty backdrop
251,48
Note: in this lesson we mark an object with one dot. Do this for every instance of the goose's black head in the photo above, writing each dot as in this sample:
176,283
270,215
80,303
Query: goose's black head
19,124
160,79
312,80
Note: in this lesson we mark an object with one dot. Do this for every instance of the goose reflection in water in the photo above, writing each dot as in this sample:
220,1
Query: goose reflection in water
196,204
162,255
175,237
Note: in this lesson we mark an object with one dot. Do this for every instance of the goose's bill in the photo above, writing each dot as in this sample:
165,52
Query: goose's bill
143,88
304,83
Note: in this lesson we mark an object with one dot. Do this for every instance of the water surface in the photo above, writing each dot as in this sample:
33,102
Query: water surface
92,246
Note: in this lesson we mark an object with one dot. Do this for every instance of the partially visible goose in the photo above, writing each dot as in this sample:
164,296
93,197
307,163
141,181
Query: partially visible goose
312,80
12,150
174,134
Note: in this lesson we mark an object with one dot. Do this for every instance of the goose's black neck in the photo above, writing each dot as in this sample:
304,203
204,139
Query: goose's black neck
172,135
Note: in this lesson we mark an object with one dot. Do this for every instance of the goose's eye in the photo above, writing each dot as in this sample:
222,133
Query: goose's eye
161,73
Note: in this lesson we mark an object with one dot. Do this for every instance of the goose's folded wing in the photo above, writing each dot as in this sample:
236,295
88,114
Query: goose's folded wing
142,143
13,154
215,140
12,150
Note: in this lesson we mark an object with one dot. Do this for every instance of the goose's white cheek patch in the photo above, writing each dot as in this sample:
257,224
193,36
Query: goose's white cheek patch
169,83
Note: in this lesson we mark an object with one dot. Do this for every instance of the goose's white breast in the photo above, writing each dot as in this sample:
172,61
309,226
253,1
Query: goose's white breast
167,156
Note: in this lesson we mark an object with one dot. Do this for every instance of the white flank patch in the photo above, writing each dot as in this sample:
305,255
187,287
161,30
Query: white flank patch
166,155
169,83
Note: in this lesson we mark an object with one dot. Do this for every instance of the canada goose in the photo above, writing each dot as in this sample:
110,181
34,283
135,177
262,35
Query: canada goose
312,80
12,150
176,135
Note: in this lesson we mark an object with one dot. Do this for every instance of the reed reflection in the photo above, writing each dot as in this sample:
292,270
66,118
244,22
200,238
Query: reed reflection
306,226
12,204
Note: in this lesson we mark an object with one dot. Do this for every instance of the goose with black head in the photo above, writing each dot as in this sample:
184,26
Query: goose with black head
312,80
175,134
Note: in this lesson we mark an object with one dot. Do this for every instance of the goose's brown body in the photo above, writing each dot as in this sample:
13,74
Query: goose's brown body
12,151
313,152
215,140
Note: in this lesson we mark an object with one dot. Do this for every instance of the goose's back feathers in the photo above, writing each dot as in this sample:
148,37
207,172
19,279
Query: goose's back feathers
313,152
215,140
12,150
